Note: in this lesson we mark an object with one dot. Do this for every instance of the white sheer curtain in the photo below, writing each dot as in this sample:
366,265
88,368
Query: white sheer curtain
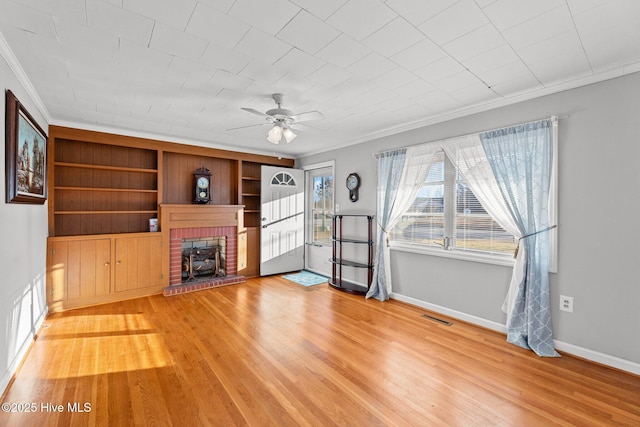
528,318
522,161
401,174
467,154
469,157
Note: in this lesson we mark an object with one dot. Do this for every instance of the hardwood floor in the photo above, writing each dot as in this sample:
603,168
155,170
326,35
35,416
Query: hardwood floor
271,352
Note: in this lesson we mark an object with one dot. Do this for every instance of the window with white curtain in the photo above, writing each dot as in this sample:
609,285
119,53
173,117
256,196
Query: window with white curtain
446,215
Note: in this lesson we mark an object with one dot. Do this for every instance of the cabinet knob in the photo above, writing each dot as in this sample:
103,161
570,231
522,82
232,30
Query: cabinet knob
107,263
118,262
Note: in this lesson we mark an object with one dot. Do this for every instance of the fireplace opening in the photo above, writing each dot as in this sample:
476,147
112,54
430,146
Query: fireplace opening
203,258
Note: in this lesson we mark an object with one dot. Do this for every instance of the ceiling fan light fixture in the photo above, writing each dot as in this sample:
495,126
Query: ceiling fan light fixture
275,134
288,135
282,120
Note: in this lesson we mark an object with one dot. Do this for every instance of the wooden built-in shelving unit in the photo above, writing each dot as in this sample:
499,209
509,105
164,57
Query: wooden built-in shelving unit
101,188
250,176
251,193
108,186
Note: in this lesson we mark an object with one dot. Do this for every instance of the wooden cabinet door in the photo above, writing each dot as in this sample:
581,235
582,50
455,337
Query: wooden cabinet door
138,262
78,269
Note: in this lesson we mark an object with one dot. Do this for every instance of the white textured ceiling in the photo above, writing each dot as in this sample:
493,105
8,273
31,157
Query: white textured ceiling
182,69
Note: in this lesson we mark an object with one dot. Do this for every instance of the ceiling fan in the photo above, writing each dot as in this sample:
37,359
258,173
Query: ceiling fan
283,120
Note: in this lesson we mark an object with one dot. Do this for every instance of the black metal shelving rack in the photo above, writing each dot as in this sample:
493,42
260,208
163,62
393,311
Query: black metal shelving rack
339,261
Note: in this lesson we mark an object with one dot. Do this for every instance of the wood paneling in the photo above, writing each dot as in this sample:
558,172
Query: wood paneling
271,352
74,134
253,255
178,178
116,171
101,188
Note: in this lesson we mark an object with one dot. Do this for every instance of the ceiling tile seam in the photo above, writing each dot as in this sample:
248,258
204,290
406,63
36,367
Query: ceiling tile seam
425,20
55,28
186,25
526,20
541,40
240,41
153,28
344,67
336,11
390,58
287,23
575,27
386,25
299,47
431,40
512,48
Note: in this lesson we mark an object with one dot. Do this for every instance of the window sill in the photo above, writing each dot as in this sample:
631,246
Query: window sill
504,260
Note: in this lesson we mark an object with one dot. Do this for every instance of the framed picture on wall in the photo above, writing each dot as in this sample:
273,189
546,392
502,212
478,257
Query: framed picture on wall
26,155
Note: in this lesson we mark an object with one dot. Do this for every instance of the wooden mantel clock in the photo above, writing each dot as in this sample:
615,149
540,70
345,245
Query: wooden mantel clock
202,181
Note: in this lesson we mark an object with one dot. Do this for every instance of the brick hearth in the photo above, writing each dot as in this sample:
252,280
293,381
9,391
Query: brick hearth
192,287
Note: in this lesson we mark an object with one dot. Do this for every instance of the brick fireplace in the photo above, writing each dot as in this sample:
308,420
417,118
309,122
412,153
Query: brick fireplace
200,222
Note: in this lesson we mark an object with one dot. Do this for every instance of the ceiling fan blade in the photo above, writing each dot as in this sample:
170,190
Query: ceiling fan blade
309,116
298,126
256,112
249,126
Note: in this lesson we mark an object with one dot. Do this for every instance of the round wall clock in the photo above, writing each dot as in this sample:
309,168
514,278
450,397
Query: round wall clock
353,184
202,178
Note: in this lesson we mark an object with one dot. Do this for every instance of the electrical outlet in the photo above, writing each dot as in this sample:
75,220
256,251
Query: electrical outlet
566,303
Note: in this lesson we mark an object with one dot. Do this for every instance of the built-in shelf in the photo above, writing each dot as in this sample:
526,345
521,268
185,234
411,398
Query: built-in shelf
102,188
122,190
105,167
103,212
250,192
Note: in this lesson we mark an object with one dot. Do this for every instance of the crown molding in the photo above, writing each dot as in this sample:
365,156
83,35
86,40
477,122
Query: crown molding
480,108
18,71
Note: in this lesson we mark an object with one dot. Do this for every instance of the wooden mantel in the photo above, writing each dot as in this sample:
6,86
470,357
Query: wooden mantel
188,216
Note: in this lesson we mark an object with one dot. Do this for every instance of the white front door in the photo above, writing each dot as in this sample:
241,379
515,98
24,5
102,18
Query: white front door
319,218
282,212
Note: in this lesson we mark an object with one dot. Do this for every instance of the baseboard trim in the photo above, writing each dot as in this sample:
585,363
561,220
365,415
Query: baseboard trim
570,349
494,326
597,357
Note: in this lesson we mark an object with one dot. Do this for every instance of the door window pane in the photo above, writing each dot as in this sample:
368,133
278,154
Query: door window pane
322,209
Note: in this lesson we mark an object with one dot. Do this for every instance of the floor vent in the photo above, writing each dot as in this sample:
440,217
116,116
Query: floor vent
435,319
